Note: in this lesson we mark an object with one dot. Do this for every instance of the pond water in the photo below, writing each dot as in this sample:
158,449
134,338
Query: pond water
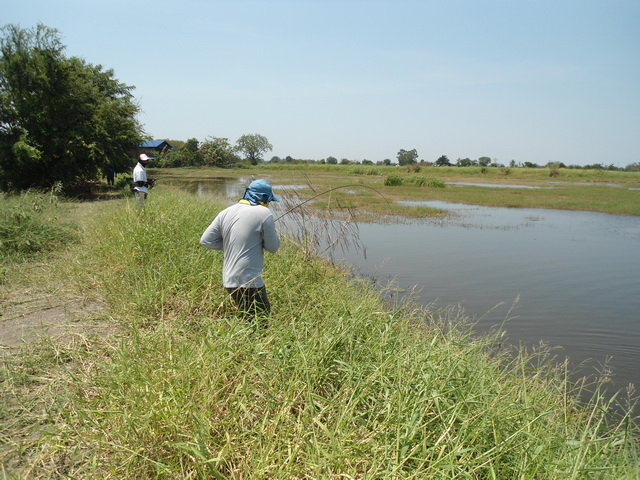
569,279
575,276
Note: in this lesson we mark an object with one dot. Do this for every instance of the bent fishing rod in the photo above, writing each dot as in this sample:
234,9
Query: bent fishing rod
329,191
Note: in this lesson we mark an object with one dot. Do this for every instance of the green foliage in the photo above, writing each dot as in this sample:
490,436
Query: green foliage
422,181
61,119
443,161
393,181
253,146
29,225
365,171
407,157
218,152
184,154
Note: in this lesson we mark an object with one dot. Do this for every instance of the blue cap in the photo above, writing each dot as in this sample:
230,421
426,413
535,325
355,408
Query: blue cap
260,191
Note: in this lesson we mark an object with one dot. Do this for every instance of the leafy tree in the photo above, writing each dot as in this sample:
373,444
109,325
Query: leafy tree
218,152
443,161
332,160
61,119
633,167
387,161
184,154
463,162
253,146
484,161
407,157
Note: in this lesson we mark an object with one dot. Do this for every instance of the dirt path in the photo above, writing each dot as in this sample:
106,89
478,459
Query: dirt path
27,315
45,299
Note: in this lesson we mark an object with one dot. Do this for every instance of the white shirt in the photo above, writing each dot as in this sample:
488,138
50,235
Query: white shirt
140,175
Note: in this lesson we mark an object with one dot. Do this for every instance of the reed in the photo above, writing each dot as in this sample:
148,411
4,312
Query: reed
341,384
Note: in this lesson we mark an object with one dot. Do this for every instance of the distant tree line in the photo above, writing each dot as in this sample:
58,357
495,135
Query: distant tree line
214,152
63,121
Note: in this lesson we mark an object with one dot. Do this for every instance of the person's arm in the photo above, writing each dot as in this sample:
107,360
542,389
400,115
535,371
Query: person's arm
212,236
270,240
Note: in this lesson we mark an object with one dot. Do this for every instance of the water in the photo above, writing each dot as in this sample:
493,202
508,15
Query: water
575,275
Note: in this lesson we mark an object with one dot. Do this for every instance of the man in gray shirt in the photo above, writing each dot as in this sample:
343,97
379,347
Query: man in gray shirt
243,231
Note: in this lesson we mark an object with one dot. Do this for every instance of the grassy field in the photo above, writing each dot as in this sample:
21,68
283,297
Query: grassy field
341,385
367,191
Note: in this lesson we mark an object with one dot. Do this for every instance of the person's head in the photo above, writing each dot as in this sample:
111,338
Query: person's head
260,192
143,159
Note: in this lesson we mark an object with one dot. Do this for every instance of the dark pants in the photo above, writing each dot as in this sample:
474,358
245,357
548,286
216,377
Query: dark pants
252,302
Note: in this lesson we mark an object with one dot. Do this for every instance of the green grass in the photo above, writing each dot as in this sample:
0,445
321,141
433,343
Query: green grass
587,190
341,385
29,225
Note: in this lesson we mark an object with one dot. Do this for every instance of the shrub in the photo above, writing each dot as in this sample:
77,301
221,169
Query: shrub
393,181
422,181
365,171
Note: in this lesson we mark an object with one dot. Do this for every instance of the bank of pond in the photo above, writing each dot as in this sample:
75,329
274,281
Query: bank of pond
341,384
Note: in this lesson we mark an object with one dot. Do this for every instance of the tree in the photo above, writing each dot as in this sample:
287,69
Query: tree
61,119
633,167
253,146
443,161
332,160
462,162
484,161
217,152
407,157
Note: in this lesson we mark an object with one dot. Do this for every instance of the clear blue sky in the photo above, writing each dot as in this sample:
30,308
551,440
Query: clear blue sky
523,80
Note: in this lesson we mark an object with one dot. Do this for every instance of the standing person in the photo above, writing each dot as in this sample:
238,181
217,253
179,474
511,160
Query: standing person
243,231
140,184
110,173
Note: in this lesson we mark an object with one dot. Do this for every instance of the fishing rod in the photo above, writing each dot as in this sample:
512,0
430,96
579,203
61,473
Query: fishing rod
329,191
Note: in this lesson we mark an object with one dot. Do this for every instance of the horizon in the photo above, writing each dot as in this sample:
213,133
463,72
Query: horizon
356,79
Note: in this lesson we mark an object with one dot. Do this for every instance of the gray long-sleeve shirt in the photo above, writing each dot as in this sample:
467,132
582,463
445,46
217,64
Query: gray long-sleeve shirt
242,231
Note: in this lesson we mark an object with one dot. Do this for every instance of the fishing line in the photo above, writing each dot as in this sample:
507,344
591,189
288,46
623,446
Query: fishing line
329,191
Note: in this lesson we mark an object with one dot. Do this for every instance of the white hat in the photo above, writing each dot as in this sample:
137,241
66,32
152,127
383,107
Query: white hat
143,157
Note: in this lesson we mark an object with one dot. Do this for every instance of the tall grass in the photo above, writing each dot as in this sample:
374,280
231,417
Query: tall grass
29,225
339,385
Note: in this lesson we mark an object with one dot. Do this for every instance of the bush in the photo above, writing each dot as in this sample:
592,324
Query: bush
393,181
365,171
422,181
